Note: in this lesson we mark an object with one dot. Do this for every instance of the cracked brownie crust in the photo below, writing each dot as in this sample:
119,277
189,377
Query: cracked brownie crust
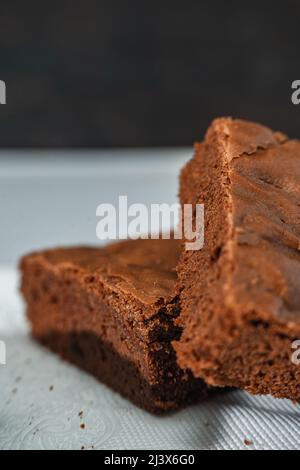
240,295
111,311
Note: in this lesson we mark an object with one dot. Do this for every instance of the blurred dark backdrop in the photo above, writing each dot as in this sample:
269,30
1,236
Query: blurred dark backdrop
101,73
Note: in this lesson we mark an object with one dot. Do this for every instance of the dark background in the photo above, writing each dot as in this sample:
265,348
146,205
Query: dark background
138,73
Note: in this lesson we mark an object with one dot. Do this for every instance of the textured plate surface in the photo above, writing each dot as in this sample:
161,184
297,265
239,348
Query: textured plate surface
47,404
49,199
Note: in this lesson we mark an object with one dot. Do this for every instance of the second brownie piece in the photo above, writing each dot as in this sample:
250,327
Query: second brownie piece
111,311
240,294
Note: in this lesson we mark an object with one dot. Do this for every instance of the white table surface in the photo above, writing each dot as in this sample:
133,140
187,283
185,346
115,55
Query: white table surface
49,199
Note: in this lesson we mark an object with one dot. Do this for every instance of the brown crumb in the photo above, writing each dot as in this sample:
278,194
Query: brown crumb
80,414
82,426
247,442
51,388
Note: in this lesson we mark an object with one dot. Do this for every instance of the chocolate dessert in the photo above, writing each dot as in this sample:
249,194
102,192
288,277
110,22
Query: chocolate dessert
240,294
111,311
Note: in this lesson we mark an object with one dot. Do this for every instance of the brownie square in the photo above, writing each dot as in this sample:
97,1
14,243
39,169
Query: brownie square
240,294
112,312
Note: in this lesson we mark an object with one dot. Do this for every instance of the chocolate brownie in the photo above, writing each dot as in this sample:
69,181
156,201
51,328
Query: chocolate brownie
111,311
240,294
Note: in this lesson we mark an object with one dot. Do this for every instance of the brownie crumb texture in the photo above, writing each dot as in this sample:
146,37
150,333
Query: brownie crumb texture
113,313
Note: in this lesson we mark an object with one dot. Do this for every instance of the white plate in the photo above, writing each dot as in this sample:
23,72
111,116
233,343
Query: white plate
52,201
42,397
